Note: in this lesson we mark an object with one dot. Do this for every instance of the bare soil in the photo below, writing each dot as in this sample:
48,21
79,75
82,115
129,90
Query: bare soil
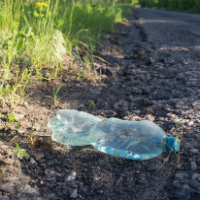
152,72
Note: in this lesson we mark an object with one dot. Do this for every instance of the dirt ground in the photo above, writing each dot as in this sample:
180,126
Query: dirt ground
152,73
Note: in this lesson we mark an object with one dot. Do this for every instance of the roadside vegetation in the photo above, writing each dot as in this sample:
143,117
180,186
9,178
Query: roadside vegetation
175,5
35,37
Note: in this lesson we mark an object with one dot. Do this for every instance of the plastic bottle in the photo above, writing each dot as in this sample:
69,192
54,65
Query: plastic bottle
136,140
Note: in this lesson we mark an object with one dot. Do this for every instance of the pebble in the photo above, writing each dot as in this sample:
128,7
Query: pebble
146,90
165,159
150,61
3,197
6,188
194,151
181,176
110,113
149,117
149,111
193,166
195,176
73,194
183,193
71,177
190,123
194,184
32,161
19,116
39,156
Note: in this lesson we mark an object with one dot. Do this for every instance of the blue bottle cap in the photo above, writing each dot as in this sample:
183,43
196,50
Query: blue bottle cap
173,144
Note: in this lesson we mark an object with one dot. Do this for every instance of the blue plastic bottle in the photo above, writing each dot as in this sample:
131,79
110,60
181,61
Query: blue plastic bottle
141,140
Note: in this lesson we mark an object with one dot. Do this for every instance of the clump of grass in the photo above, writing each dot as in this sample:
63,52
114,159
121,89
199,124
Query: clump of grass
91,105
19,152
55,97
36,35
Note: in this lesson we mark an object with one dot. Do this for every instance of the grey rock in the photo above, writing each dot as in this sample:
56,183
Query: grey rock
194,184
6,188
149,111
181,176
32,161
193,166
39,156
73,194
165,159
149,117
110,113
195,176
3,197
146,90
150,61
81,106
172,116
194,151
136,91
183,193
100,191
121,105
70,177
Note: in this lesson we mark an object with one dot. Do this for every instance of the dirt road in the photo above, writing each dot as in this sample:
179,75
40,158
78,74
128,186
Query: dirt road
154,74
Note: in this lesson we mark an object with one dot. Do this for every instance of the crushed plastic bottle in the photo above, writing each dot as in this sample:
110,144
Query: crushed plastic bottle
136,140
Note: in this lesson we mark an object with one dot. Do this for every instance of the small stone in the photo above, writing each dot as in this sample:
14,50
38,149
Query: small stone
26,104
181,176
149,111
71,177
195,176
183,193
73,194
39,156
37,126
165,159
150,61
193,166
141,53
149,117
32,161
194,184
194,151
3,197
136,90
190,123
100,191
171,116
6,188
81,106
19,116
110,113
146,90
121,105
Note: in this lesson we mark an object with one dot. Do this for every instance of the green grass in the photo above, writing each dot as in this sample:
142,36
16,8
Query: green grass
36,36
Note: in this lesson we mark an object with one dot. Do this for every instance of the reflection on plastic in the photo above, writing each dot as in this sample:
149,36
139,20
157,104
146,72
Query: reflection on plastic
141,140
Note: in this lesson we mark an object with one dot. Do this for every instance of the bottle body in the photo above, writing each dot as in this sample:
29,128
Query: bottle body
141,140
137,140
